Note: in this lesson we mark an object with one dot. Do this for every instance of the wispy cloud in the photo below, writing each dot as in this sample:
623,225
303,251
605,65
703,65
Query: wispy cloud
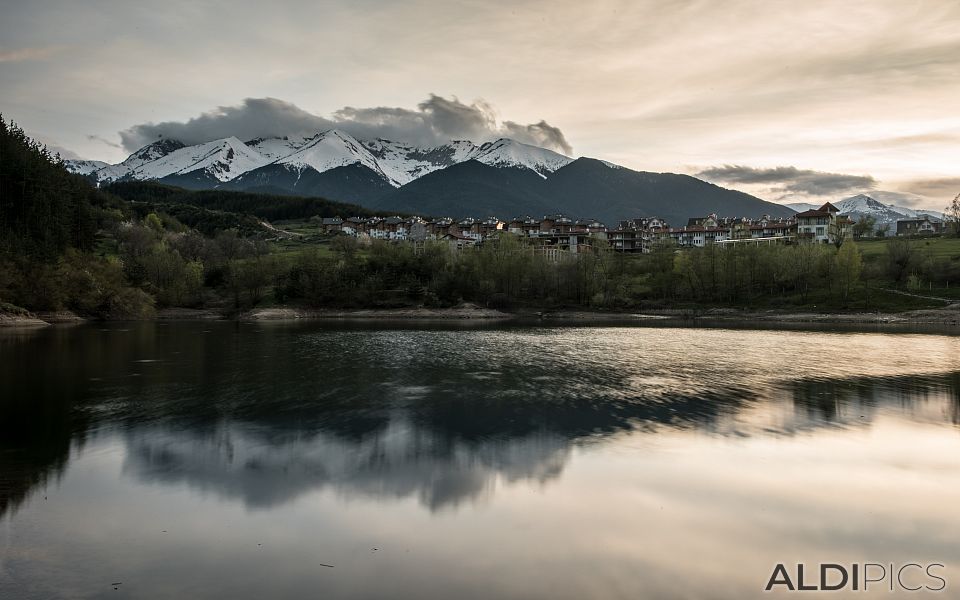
25,54
97,138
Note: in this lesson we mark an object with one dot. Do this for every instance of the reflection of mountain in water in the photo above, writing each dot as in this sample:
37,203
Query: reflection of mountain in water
264,415
236,461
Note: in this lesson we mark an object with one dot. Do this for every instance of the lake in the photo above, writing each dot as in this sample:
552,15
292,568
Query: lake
336,460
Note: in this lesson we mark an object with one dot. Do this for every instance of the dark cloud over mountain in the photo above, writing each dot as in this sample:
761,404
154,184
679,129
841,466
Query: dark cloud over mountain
435,120
941,187
790,180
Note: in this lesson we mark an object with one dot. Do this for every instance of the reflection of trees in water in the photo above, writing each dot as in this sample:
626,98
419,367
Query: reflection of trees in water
856,400
38,420
953,387
264,415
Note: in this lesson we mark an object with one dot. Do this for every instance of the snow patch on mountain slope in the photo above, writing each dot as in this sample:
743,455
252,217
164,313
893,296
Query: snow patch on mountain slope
329,150
402,163
222,159
84,167
276,148
509,153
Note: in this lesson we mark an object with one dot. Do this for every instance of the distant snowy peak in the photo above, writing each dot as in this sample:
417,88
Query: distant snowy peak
509,153
861,203
221,159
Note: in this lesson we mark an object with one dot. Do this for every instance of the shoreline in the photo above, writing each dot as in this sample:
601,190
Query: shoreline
949,316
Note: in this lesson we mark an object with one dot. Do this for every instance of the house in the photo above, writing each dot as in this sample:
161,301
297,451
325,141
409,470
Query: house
637,235
592,227
708,221
353,226
331,225
768,228
458,241
396,228
922,225
625,239
698,237
524,226
820,225
418,231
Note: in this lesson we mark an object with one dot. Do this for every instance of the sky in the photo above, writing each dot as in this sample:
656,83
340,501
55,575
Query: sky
792,101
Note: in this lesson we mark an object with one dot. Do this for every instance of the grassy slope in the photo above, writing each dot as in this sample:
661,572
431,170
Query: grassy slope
935,248
938,247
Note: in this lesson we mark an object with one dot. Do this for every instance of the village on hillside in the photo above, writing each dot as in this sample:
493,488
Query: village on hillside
559,233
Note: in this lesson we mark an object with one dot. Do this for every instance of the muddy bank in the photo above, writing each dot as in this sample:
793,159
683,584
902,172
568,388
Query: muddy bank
60,316
949,315
467,311
17,320
189,314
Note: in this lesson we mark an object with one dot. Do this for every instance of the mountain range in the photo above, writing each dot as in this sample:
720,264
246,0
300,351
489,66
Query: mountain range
863,205
504,178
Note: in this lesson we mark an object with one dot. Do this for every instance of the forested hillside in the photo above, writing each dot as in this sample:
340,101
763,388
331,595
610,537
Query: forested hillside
43,209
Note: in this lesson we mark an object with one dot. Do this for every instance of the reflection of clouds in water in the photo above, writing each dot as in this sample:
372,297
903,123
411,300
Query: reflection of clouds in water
239,461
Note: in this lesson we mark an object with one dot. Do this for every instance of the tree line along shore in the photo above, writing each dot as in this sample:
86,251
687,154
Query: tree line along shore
139,251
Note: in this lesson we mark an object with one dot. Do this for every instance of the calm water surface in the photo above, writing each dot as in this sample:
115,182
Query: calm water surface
225,460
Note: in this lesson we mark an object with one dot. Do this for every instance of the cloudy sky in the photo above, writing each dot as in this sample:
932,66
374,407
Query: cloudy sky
793,101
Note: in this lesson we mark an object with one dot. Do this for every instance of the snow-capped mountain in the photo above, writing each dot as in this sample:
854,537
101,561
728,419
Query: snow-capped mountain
396,163
862,205
458,178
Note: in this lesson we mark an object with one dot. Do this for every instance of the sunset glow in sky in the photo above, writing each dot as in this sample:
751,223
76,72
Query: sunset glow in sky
843,97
